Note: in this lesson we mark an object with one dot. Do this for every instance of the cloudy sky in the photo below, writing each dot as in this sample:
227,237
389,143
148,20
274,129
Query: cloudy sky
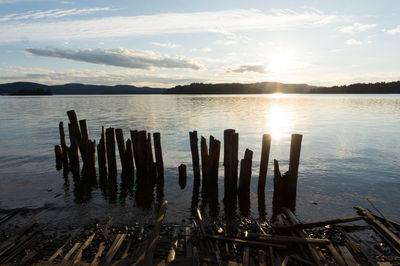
169,42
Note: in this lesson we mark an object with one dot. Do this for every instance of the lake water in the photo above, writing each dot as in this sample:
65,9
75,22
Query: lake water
350,150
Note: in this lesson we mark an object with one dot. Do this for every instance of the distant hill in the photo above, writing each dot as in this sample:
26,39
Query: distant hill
240,88
379,87
77,88
32,92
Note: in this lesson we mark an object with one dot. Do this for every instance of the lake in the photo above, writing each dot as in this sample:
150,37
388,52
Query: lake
350,150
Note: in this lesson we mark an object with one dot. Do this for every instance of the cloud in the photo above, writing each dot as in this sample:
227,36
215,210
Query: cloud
353,42
99,77
356,27
164,23
168,45
249,68
118,57
203,50
50,14
393,31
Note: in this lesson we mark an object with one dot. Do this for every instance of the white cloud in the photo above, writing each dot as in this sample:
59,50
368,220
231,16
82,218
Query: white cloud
357,27
393,31
336,50
168,45
166,23
50,14
353,42
249,68
99,77
118,57
203,50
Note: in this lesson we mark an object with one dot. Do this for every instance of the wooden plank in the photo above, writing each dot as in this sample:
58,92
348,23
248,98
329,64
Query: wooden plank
59,251
349,259
114,248
317,224
96,259
383,217
382,230
63,143
72,250
246,241
246,256
78,255
21,246
288,239
8,216
11,241
119,136
173,247
339,259
111,159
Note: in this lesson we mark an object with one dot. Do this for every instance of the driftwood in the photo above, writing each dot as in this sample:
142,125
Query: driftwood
78,255
246,241
381,229
195,154
12,240
59,251
317,224
114,248
288,239
96,259
72,251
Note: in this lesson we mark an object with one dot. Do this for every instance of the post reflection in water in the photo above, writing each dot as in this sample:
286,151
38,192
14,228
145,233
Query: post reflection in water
83,187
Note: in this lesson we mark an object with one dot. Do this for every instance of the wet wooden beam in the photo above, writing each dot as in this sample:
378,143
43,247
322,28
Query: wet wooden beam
194,148
293,227
111,159
59,157
182,176
262,177
204,161
63,143
294,161
102,154
158,155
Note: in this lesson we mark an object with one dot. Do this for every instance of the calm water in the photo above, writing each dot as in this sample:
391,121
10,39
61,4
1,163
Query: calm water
350,151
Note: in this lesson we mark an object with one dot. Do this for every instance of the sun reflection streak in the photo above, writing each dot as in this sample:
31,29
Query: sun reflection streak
280,122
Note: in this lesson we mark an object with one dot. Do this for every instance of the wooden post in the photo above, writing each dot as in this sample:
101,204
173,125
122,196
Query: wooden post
77,132
204,161
280,198
182,176
140,156
213,163
91,157
295,148
244,182
59,157
73,151
119,135
129,161
102,154
84,131
150,165
158,154
134,137
112,162
195,154
262,178
231,145
64,146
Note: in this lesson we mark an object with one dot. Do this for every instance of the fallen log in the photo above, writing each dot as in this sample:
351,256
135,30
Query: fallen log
288,239
245,241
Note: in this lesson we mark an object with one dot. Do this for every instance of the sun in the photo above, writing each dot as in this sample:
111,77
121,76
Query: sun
282,62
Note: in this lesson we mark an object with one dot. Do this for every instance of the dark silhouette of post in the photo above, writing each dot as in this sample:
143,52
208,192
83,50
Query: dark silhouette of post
102,155
262,178
112,162
204,162
195,154
64,146
294,161
119,135
158,155
182,176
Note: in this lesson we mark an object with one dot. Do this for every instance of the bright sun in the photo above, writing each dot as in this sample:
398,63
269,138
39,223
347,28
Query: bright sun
281,62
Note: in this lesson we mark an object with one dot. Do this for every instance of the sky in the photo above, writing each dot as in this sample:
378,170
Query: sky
175,42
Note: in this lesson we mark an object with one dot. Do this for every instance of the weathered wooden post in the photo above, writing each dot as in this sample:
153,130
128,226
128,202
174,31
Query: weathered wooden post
204,162
102,154
295,148
59,157
280,197
159,158
140,156
91,158
134,134
112,162
119,135
213,163
195,154
231,143
244,181
265,149
150,165
129,172
64,146
73,152
77,132
182,176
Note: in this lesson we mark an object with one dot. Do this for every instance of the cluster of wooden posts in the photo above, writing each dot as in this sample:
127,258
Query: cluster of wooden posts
237,183
138,152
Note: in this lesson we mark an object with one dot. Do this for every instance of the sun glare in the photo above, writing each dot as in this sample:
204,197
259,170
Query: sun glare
281,62
279,121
